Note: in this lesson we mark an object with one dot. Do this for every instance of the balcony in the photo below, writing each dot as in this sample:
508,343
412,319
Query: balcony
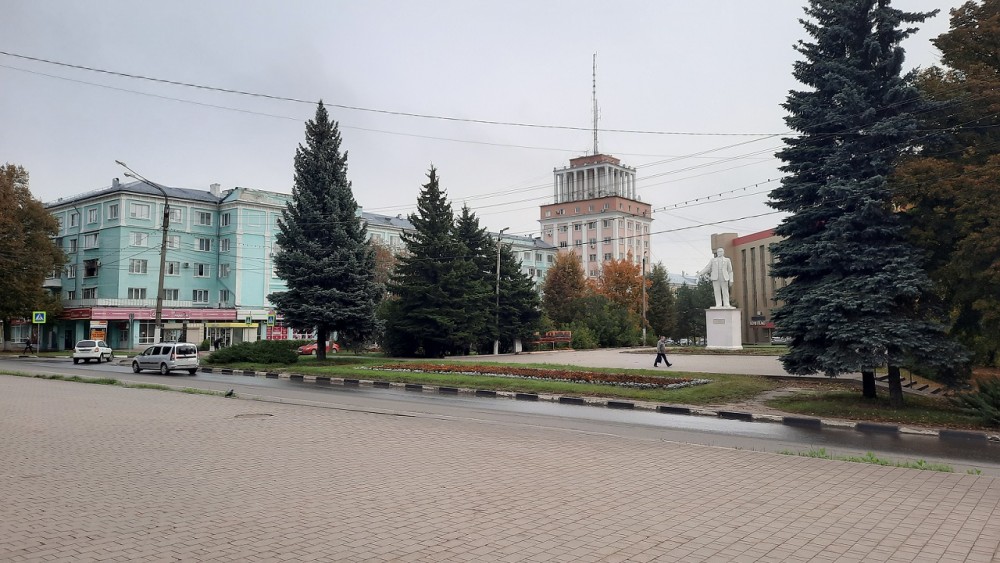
52,283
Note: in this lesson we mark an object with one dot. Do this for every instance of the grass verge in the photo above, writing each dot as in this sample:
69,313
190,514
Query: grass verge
916,410
872,459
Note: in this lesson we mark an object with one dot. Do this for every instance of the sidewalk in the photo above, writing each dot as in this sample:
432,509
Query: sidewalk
99,473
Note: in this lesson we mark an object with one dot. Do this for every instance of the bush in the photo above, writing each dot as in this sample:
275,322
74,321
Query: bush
583,337
205,345
260,352
984,403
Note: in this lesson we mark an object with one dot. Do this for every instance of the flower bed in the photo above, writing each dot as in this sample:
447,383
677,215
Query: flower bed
572,376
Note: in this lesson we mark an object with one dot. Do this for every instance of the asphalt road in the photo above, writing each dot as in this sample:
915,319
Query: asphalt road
753,436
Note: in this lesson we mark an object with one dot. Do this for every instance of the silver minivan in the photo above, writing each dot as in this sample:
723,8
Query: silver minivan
168,356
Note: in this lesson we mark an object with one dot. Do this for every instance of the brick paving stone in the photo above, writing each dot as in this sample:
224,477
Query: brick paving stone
103,473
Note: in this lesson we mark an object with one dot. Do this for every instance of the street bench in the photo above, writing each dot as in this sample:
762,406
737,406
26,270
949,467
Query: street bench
555,337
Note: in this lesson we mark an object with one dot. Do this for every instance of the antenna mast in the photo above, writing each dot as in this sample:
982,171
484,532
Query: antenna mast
595,102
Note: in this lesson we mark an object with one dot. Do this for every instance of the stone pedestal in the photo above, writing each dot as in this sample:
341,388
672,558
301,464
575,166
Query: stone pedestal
723,327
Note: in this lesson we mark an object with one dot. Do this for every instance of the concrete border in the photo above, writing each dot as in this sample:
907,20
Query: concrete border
965,436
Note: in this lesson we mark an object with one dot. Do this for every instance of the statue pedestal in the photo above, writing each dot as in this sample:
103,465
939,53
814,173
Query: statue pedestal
723,328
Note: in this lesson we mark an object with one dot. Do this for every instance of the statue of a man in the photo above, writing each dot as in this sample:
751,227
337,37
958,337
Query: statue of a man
720,271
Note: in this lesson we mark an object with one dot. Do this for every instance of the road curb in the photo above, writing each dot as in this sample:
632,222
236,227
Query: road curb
965,436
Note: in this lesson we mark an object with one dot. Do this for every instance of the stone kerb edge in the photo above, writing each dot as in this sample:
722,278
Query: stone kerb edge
804,422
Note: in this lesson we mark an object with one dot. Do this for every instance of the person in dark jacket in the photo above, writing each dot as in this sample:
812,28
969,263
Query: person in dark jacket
661,352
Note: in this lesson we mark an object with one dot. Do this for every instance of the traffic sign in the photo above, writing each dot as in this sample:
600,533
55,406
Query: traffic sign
249,320
270,320
38,317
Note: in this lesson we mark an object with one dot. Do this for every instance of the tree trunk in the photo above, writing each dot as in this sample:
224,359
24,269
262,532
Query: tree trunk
895,388
321,336
868,384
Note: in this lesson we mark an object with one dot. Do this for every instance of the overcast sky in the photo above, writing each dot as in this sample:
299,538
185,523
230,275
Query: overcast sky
699,84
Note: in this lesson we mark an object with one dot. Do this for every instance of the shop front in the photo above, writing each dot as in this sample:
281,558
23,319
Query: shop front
129,328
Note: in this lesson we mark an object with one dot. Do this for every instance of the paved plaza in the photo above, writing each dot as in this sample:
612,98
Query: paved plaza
100,473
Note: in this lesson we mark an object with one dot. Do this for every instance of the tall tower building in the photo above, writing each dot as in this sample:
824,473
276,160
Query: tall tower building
596,213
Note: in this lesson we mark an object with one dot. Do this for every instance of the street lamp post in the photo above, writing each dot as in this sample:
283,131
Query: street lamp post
158,327
644,299
496,343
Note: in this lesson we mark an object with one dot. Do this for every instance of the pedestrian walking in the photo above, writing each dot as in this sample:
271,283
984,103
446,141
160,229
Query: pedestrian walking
661,352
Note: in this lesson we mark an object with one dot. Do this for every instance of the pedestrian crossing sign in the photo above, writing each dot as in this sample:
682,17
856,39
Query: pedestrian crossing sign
38,317
270,320
249,320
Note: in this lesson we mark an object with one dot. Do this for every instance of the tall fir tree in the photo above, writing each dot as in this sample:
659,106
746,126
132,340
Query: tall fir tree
855,299
324,256
662,311
948,189
427,313
520,307
477,324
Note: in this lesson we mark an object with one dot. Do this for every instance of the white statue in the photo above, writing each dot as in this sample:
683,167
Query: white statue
720,271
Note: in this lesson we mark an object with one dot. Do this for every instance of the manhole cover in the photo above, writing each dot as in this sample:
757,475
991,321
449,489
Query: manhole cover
253,415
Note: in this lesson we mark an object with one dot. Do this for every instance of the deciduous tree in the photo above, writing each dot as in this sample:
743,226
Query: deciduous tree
28,253
564,285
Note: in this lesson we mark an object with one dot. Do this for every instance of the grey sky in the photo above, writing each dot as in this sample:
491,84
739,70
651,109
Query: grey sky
712,66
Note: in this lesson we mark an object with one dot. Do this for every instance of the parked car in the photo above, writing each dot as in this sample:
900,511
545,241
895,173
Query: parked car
168,356
780,340
331,348
87,350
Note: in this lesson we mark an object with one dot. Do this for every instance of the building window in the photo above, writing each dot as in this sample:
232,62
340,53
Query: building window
550,259
93,215
590,209
224,295
113,211
137,293
578,243
173,269
90,241
139,211
527,256
140,239
606,223
205,244
531,272
562,244
199,296
71,271
577,210
71,294
564,229
175,215
223,270
204,218
576,226
201,270
607,256
173,242
89,268
607,240
592,225
137,266
171,294
225,219
548,213
90,293
593,273
72,245
74,219
593,258
224,244
593,241
59,220
538,257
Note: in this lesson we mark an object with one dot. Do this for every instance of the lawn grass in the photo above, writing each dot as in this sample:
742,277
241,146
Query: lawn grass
916,410
722,388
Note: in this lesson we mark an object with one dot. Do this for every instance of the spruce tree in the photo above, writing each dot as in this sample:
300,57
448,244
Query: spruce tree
520,305
427,313
324,256
477,325
854,301
662,311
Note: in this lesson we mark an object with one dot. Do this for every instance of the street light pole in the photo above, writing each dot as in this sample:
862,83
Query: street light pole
644,299
496,342
158,326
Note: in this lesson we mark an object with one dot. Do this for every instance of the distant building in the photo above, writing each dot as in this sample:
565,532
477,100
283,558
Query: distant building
536,256
596,213
753,288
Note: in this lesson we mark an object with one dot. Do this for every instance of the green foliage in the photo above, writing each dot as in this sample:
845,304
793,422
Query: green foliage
691,305
28,252
662,309
984,402
948,188
260,352
583,337
858,297
564,286
325,259
205,345
872,459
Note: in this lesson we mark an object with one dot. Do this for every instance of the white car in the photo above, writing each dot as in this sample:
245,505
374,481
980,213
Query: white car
87,350
168,356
